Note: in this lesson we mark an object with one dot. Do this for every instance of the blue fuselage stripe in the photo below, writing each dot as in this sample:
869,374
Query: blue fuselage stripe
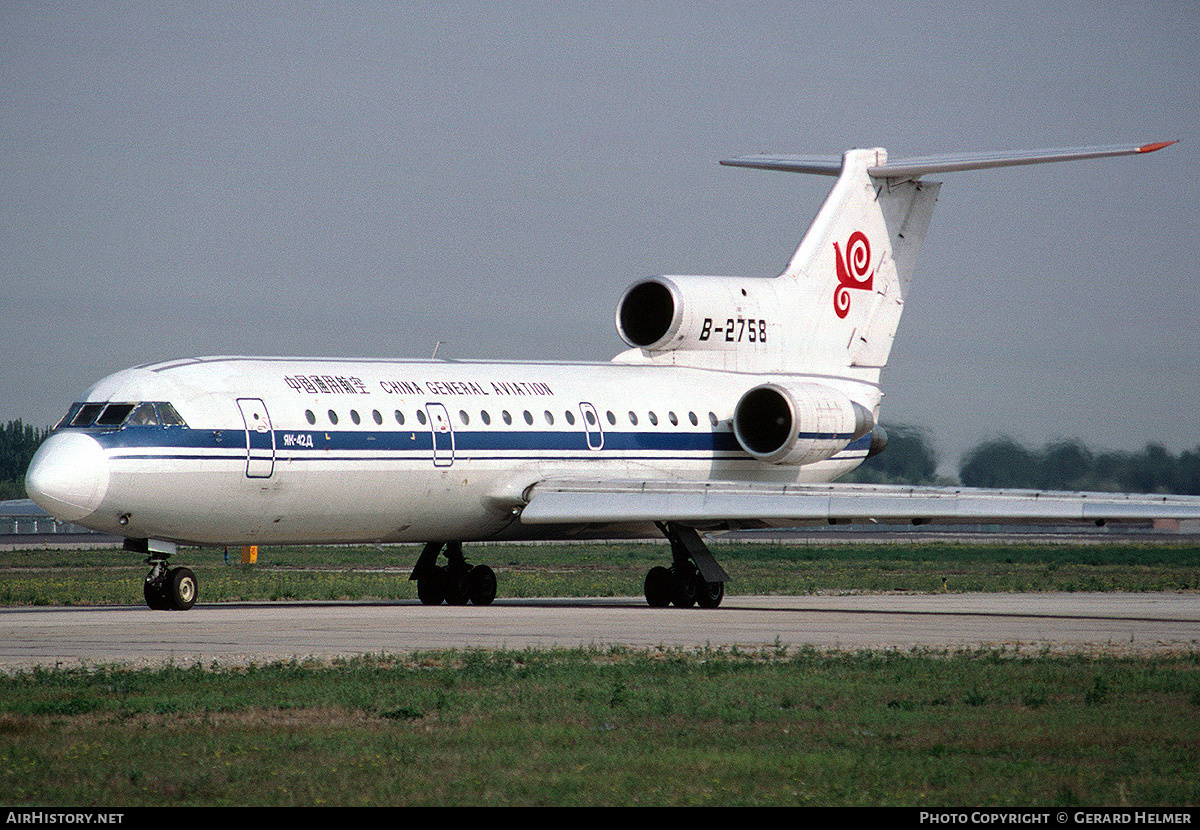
133,442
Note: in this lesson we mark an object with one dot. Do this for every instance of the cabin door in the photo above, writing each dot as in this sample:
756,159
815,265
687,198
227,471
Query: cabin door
443,434
260,438
591,426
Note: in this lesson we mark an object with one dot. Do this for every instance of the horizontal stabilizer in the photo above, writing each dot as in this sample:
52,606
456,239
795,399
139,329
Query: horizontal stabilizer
915,167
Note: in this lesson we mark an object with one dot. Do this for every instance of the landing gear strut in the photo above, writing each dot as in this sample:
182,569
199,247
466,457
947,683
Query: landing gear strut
694,578
456,582
165,589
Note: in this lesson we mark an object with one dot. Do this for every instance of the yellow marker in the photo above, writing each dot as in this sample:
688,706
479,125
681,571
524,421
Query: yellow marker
249,554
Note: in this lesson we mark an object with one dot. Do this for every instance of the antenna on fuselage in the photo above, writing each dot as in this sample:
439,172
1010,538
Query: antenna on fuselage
436,346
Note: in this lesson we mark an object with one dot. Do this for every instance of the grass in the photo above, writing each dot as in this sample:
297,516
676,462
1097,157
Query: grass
612,726
114,577
609,727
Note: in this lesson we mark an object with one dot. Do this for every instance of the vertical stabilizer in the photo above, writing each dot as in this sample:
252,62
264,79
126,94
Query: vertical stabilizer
850,275
852,270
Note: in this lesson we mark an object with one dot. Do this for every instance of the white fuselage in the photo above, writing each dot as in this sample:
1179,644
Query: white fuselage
285,450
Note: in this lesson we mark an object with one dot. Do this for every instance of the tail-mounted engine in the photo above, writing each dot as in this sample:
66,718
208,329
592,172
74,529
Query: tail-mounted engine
798,423
698,312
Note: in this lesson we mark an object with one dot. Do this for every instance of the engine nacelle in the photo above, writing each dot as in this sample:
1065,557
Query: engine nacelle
798,423
697,312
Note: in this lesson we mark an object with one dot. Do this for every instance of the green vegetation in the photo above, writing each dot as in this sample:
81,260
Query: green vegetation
910,458
1069,465
114,577
18,443
612,727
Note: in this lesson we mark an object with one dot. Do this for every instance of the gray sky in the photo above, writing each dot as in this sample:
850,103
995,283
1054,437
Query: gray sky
368,179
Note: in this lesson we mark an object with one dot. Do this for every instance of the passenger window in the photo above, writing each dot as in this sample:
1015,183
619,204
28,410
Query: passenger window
674,420
712,418
507,418
378,418
612,419
399,417
570,417
633,418
309,416
354,416
421,416
485,417
549,418
653,419
333,419
528,417
591,418
464,417
692,417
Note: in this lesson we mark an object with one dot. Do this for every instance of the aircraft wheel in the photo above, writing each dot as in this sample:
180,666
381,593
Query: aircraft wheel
457,588
710,594
431,589
154,590
181,589
687,587
481,585
659,587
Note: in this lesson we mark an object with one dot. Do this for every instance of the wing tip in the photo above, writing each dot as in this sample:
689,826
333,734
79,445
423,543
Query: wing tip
1158,145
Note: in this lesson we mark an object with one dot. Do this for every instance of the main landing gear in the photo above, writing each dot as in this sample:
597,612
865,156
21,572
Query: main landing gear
456,582
694,578
165,589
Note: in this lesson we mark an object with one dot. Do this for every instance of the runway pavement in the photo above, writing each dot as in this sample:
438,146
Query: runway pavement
229,634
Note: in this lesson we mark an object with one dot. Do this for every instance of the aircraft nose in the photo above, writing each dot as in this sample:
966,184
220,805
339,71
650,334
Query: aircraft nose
68,476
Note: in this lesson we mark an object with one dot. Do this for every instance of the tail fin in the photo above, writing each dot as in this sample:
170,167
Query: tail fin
852,270
853,267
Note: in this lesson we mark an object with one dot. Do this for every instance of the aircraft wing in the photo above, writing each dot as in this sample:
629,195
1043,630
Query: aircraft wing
571,501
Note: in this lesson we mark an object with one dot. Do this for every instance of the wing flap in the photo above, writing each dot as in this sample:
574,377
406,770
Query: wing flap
570,501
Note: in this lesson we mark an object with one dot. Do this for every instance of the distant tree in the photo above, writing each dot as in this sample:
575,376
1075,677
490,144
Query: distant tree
1069,465
18,443
1065,465
1001,462
908,458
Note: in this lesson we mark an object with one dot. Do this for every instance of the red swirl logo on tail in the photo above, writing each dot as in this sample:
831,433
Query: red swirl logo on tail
852,271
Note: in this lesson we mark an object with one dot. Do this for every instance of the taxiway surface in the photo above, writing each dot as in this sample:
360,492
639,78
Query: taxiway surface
230,634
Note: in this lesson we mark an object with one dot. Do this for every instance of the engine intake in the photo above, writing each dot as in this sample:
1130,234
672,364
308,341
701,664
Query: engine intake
648,314
693,312
798,423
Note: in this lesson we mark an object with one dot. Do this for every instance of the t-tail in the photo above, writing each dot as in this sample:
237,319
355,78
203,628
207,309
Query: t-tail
838,302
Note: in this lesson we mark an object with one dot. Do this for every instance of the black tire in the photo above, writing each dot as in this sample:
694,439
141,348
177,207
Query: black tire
687,587
154,590
431,588
182,589
659,587
481,585
457,590
710,594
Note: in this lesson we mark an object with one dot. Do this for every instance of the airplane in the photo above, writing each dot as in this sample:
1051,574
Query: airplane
738,404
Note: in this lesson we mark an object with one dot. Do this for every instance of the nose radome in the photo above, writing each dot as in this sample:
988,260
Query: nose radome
68,476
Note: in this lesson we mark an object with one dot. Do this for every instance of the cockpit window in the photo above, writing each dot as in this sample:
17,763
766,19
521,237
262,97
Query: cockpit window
168,417
116,415
86,415
144,415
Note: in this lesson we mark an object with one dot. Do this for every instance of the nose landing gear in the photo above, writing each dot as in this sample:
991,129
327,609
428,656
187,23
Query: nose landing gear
165,589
